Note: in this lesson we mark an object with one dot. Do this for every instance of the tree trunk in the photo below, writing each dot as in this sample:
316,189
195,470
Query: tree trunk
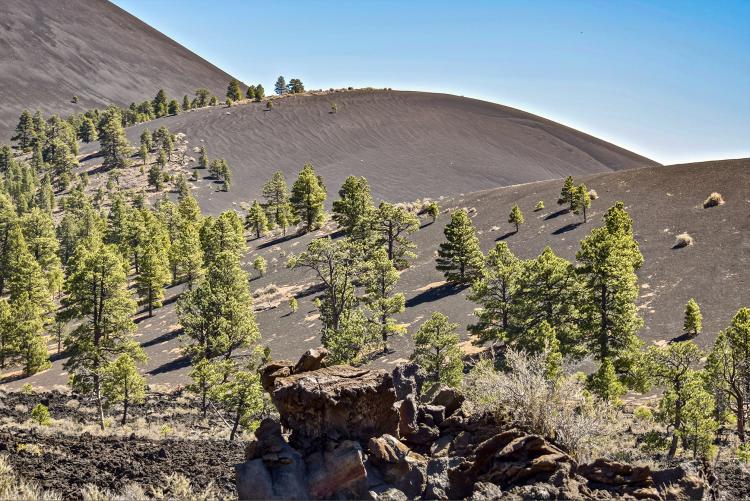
150,302
99,406
677,424
204,403
125,403
741,419
236,423
603,339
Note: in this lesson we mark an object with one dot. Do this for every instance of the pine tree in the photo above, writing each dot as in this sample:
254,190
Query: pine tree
379,280
114,145
459,257
217,315
256,220
203,158
159,104
224,233
547,290
233,90
280,86
206,376
293,305
609,258
693,324
243,396
250,94
728,368
174,107
516,217
186,254
98,296
7,334
276,193
354,210
261,265
8,219
433,210
336,264
39,233
122,383
295,86
147,139
260,92
308,195
495,292
581,201
436,350
153,275
27,331
393,225
87,131
605,384
185,103
671,367
566,193
155,175
24,132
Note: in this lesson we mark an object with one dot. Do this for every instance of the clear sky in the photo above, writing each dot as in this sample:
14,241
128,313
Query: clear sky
667,79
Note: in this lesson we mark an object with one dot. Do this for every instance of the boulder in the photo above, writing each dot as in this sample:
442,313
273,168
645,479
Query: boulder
253,480
438,484
270,457
403,469
408,380
448,397
408,413
338,473
273,370
441,446
435,412
425,435
509,459
311,360
338,403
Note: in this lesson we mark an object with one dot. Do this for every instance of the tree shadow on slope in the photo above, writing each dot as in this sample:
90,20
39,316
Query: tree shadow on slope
567,228
435,294
173,365
556,214
277,241
507,235
167,336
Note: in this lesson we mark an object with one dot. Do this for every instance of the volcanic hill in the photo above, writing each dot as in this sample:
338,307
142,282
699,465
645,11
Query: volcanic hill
92,49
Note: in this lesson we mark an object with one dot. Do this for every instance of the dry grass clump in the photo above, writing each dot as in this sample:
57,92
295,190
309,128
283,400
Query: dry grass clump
173,486
524,396
593,195
714,199
12,487
683,240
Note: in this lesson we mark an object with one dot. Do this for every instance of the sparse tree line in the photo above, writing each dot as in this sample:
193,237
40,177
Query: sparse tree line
546,306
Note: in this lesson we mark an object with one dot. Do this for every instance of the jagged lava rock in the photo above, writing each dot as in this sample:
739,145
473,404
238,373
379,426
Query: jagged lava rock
336,403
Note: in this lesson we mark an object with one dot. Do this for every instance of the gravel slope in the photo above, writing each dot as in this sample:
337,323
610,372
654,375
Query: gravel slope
407,144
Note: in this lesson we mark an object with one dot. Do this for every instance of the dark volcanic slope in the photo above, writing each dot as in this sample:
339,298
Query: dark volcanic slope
407,144
664,202
53,50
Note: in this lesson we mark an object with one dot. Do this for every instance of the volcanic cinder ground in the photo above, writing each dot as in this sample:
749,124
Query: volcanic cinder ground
53,50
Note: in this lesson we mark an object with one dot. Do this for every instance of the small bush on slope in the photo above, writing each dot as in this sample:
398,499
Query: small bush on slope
683,240
714,199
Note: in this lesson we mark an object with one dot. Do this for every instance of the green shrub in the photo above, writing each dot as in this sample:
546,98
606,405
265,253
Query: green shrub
40,415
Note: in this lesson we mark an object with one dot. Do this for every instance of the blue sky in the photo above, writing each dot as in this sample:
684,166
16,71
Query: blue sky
667,79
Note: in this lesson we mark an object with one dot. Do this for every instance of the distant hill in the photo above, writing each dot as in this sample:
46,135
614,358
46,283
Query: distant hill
51,51
407,144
